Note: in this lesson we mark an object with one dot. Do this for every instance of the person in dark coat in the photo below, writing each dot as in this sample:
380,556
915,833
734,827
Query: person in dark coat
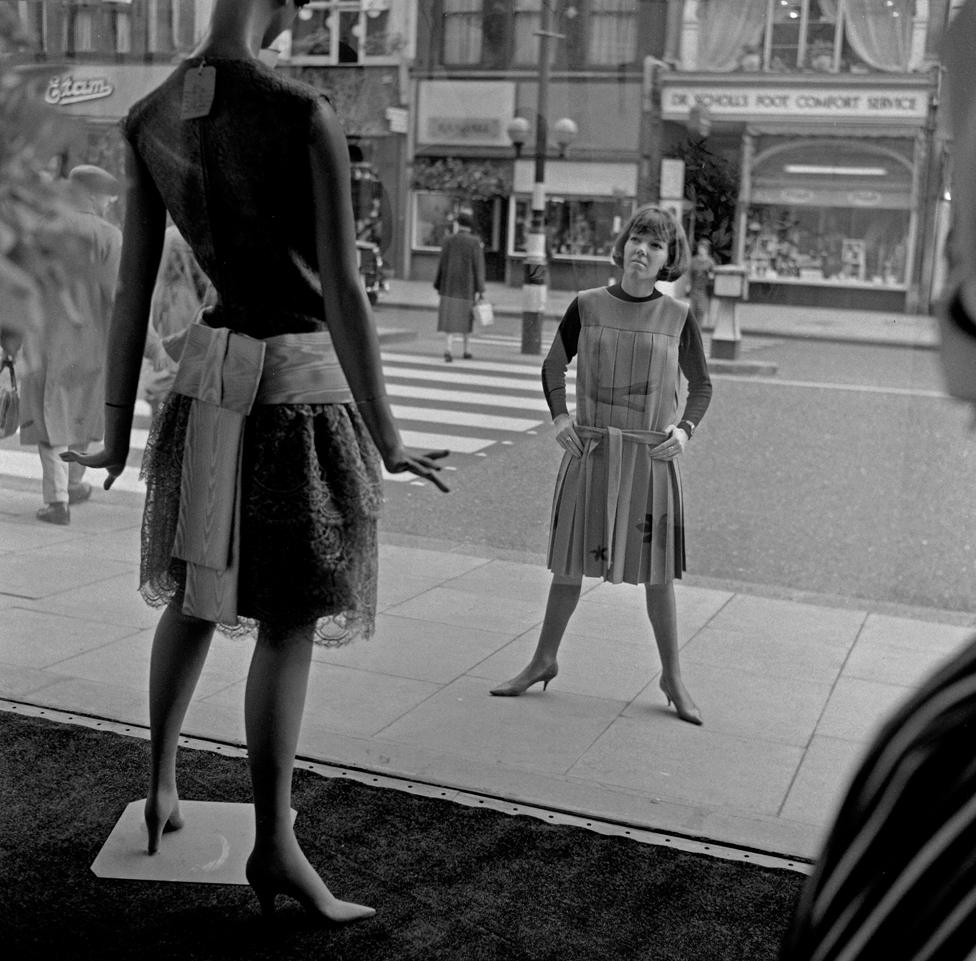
460,282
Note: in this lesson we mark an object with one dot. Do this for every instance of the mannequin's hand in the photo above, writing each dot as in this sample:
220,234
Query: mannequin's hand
112,462
420,464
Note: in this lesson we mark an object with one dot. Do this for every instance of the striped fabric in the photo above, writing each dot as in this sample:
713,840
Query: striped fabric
897,875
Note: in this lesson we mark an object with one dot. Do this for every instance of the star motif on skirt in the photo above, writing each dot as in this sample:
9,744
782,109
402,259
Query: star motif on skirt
599,554
646,528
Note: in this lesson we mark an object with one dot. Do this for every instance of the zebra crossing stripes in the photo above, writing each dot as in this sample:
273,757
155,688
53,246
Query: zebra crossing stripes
466,409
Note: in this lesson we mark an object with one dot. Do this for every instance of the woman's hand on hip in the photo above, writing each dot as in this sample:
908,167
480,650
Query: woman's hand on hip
566,436
423,465
674,445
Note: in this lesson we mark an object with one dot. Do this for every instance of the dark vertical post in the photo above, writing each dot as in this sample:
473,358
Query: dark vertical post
535,280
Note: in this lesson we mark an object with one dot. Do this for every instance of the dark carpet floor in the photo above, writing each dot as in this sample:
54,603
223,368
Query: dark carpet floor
449,882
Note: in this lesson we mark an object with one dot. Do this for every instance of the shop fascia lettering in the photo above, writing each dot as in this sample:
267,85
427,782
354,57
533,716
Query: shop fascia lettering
65,90
894,104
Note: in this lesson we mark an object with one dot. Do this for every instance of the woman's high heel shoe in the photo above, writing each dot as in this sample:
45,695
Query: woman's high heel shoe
161,819
686,711
520,684
267,885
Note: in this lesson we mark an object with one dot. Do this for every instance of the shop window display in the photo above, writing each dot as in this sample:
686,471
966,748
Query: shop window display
575,227
436,214
834,245
433,220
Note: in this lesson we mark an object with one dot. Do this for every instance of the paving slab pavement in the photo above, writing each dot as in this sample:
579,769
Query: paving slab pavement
790,689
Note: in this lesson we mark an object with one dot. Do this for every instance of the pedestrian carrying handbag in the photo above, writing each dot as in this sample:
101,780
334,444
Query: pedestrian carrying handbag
483,313
9,401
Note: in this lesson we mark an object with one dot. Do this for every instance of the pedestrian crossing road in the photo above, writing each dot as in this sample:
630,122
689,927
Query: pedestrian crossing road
468,407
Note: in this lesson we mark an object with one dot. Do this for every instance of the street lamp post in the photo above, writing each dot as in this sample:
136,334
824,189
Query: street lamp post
535,276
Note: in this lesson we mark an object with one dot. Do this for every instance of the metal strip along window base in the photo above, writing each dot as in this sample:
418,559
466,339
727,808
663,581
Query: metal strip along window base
442,792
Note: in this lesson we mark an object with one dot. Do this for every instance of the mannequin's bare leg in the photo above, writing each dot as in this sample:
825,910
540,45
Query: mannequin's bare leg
273,705
179,651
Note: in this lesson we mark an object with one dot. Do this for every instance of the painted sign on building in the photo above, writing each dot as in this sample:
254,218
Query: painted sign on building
102,91
808,102
475,113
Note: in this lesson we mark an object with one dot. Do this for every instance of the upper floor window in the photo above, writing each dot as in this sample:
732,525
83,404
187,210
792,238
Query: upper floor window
611,32
98,28
95,28
463,31
342,31
505,33
815,35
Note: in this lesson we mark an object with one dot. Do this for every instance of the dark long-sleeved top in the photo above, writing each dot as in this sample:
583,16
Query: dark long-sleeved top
691,360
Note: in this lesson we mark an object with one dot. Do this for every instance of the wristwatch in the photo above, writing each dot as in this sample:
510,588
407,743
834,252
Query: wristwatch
687,426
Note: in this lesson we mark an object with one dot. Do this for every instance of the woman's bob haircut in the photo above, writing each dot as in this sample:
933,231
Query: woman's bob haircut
651,221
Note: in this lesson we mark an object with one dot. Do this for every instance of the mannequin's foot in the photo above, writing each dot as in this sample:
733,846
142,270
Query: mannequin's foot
162,814
289,873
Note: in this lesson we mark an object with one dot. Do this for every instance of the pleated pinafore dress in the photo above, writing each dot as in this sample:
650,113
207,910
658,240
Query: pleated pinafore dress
617,513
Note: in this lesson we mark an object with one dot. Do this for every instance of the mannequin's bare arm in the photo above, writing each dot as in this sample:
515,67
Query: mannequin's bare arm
347,309
142,245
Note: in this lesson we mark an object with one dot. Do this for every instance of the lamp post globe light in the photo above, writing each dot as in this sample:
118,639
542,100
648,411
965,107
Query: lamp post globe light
534,283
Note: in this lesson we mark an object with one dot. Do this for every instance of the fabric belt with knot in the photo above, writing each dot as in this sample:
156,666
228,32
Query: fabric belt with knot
613,439
225,374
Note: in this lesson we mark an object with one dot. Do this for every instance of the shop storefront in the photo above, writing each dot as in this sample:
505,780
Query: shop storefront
461,135
96,96
586,206
832,173
461,160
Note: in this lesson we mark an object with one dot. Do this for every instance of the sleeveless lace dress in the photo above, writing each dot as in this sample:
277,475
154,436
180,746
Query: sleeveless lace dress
238,186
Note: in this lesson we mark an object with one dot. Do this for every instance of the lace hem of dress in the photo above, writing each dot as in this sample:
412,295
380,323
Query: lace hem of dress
331,630
311,493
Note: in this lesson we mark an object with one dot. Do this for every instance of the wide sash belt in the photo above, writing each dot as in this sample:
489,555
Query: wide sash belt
226,374
613,438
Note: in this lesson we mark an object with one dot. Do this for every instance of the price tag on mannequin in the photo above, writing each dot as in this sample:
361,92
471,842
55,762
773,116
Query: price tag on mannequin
198,92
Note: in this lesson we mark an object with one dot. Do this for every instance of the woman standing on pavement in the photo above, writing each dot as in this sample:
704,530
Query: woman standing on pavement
617,510
460,282
260,520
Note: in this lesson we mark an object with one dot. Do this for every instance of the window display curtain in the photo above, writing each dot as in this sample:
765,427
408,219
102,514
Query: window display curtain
462,31
726,29
879,37
612,36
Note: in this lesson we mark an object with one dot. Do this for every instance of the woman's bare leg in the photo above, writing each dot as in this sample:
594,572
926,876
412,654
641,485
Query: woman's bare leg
564,594
663,615
179,650
274,701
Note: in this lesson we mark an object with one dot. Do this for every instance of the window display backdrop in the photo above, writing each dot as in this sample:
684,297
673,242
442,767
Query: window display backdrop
575,226
829,211
831,245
